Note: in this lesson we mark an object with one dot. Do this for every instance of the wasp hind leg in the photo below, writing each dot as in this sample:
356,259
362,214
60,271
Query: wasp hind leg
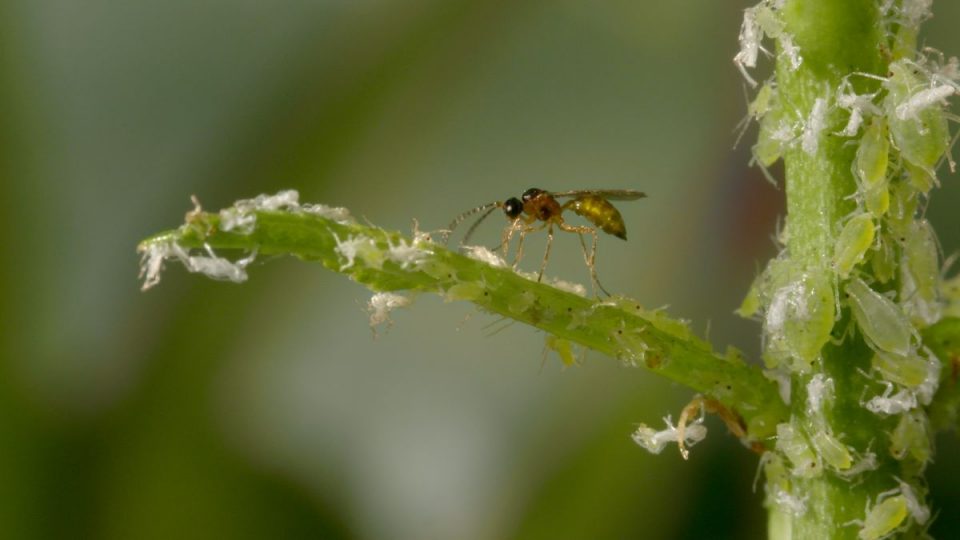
589,257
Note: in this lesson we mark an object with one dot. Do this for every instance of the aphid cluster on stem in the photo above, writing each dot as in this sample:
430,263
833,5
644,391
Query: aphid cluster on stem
877,277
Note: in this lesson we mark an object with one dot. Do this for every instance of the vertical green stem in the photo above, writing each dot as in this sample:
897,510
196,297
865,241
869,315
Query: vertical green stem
835,38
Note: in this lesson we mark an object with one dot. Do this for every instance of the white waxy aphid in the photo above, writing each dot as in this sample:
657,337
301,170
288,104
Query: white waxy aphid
924,99
655,441
866,463
334,213
210,264
882,322
919,511
884,518
359,247
781,376
854,240
483,254
820,392
831,451
911,438
859,106
792,443
407,254
575,288
219,268
921,273
381,304
873,157
791,51
889,403
152,259
794,505
750,36
923,136
241,217
814,126
916,11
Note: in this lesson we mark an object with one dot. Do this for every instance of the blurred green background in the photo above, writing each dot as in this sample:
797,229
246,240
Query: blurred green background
210,410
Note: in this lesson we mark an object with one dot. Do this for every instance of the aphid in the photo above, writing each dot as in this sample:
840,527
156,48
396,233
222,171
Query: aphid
793,444
873,156
909,371
884,517
852,244
832,451
918,127
882,322
537,205
920,273
911,437
799,319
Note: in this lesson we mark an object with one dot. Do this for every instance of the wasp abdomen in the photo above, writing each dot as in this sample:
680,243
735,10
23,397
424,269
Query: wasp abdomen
600,212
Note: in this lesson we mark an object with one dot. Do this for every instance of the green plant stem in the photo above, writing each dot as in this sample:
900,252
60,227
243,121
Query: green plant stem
619,327
835,37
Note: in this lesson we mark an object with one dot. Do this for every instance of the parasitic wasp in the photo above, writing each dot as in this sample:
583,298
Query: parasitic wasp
538,209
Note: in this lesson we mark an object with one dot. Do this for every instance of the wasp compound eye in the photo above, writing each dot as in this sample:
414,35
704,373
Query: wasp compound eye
512,207
531,193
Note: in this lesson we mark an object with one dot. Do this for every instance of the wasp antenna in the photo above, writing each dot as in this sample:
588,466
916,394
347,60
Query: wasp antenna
477,223
460,219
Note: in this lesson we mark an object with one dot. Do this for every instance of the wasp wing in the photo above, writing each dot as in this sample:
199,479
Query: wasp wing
611,194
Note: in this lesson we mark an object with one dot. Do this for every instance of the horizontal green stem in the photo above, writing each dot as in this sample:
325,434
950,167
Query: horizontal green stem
389,261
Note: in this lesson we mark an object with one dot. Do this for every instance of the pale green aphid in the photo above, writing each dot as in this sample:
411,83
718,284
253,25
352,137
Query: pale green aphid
909,371
763,102
854,240
884,518
792,443
770,139
468,290
921,272
910,437
799,319
563,348
883,260
923,136
833,452
903,206
873,157
751,302
883,324
520,303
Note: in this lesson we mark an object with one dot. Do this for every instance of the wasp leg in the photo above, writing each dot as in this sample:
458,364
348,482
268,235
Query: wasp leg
591,257
523,234
546,254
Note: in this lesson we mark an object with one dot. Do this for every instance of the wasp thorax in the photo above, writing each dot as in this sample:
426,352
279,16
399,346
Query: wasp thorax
513,207
531,193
